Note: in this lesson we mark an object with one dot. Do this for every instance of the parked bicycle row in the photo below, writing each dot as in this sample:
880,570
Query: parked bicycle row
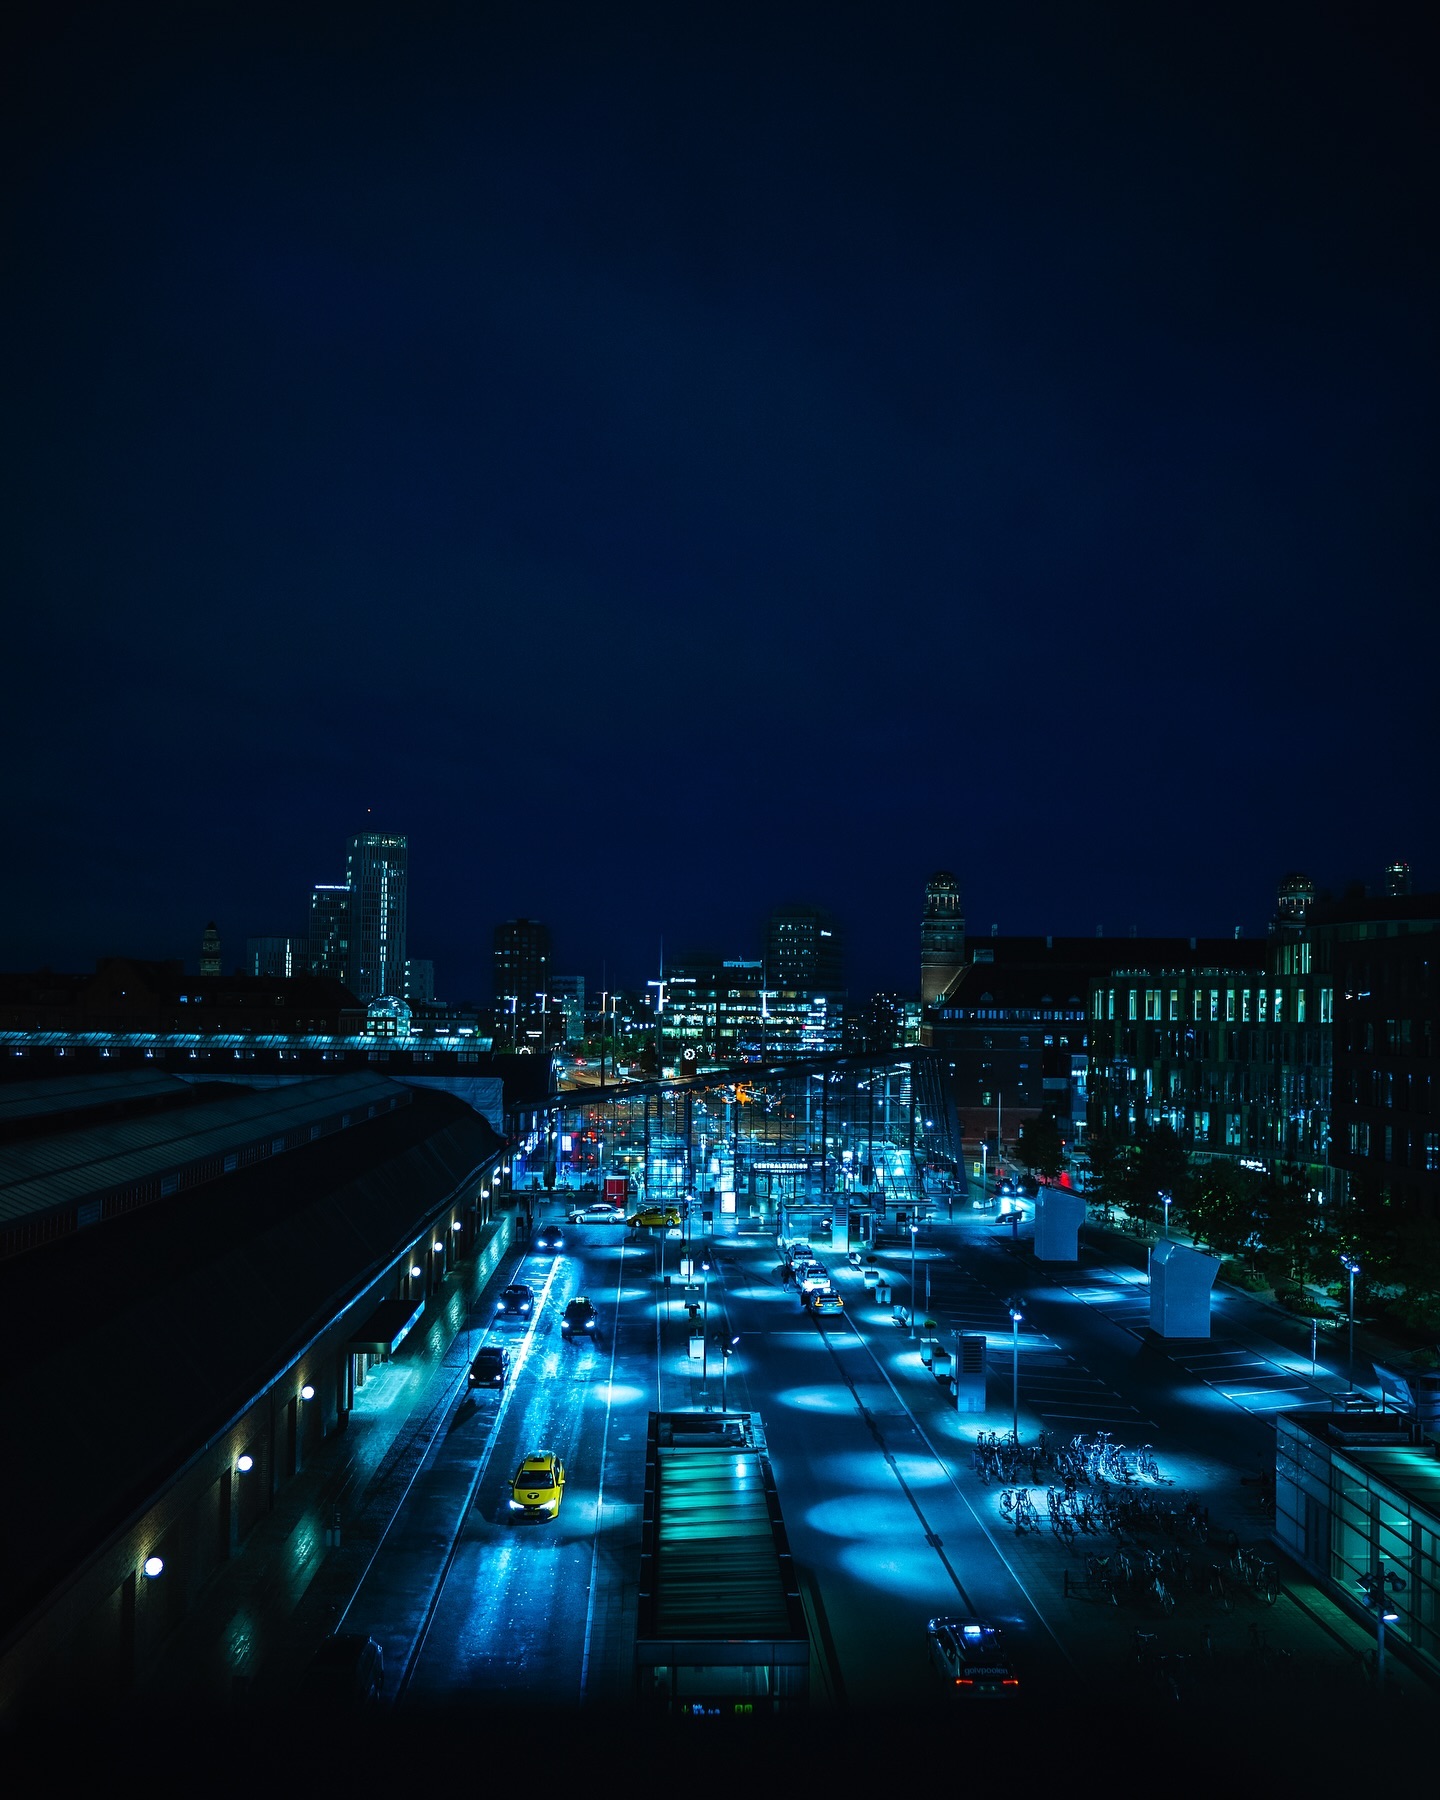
1083,1462
1166,1576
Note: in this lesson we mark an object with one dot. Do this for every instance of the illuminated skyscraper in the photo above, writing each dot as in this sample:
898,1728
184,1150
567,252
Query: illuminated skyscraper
330,930
210,950
285,957
942,938
1397,880
803,950
522,975
376,863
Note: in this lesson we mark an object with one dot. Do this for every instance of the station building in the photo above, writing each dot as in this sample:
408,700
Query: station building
196,1280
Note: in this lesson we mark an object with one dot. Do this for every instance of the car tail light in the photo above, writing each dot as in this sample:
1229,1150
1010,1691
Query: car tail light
963,1681
1010,1681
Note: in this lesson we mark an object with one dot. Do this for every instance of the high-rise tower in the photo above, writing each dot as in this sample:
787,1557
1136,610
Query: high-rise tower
522,975
1397,879
376,863
804,949
210,950
330,930
942,938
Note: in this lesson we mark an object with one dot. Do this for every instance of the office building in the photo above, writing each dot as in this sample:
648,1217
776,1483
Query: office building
376,867
329,946
419,979
210,950
521,978
803,949
567,992
1381,961
285,957
942,938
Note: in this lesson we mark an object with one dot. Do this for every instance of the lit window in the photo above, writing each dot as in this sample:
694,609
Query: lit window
1245,1007
1134,1000
1214,1004
1262,996
1196,1001
1152,1003
1300,1006
1174,1004
1279,1004
1229,1006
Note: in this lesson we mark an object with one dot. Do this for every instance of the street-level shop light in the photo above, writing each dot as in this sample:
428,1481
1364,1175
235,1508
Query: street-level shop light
154,1565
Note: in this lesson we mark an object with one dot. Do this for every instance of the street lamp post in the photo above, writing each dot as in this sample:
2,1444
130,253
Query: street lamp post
1015,1317
726,1354
1375,1587
1352,1268
705,1332
1167,1198
914,1231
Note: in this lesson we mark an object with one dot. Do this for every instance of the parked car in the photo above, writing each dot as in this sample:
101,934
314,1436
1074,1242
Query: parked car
599,1214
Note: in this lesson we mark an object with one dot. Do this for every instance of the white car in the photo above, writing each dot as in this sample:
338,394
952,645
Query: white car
598,1215
811,1275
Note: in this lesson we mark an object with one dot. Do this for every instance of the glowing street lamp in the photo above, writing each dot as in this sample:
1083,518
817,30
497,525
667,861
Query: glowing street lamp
1352,1268
1167,1198
726,1354
1015,1317
1375,1587
914,1232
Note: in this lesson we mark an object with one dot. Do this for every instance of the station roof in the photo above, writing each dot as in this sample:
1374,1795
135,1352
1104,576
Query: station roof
84,1093
42,1174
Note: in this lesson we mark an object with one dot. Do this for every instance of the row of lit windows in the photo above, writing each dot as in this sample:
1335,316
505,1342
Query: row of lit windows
1261,1006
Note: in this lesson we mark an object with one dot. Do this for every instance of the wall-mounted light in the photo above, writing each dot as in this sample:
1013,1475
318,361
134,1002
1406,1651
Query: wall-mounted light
307,1392
455,1225
415,1271
439,1246
245,1464
154,1565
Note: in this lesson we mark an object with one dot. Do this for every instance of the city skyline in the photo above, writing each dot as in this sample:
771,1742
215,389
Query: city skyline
665,480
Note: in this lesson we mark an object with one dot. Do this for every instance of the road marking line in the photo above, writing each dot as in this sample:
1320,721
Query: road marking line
600,1490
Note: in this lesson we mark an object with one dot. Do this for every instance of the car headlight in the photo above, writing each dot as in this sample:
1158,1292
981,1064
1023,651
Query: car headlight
589,1324
516,1506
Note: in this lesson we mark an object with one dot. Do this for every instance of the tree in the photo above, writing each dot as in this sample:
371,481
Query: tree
1041,1147
1220,1208
1158,1166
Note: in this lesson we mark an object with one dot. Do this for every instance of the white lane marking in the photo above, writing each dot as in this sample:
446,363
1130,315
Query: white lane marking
600,1490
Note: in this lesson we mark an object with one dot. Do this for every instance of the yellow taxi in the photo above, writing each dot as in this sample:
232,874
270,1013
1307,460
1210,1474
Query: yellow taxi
539,1485
659,1217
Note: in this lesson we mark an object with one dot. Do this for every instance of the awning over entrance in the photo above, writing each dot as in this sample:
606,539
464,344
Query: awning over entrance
386,1328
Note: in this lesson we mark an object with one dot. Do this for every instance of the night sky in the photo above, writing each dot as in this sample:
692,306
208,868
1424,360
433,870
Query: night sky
673,461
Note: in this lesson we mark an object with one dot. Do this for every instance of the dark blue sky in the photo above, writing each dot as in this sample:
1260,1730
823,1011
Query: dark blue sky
675,460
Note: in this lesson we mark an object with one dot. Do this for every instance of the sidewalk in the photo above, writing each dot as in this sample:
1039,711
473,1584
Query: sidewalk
240,1638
